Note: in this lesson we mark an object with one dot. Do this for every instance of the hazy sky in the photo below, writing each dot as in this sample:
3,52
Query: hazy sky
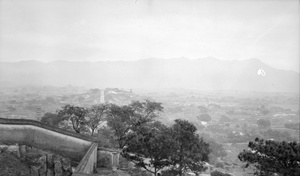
92,30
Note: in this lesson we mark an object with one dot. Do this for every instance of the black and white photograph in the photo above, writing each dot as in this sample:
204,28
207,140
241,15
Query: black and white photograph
149,88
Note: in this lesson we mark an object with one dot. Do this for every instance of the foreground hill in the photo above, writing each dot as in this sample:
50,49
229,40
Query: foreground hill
201,74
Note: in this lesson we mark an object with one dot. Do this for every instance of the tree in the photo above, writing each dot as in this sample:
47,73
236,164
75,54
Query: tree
149,147
202,109
217,150
145,111
50,100
118,119
189,151
76,115
270,157
95,115
264,123
224,118
105,138
204,117
263,110
52,119
123,119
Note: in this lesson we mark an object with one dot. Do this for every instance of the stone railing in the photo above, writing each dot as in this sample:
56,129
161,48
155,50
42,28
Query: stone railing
88,162
32,133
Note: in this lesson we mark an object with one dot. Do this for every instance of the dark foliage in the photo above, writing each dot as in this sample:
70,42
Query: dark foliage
95,116
51,119
122,119
76,115
204,117
269,157
151,141
264,123
189,150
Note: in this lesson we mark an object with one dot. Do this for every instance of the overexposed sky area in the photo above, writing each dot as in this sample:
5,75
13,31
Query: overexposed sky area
94,30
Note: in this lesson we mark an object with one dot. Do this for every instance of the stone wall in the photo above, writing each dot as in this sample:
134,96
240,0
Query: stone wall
38,162
32,133
78,148
89,161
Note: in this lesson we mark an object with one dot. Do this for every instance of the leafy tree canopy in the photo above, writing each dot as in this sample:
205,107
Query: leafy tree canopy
95,115
150,147
154,145
76,115
263,123
269,157
189,150
51,119
123,119
204,117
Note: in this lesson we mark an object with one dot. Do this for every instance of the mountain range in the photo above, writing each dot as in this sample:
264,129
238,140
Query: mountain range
200,74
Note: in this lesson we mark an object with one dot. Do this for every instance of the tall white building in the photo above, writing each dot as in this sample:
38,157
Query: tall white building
102,100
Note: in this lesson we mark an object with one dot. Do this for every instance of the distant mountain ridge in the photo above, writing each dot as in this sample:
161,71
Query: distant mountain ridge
202,74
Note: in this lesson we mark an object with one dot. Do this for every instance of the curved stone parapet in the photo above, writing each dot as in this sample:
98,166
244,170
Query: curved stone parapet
33,133
88,162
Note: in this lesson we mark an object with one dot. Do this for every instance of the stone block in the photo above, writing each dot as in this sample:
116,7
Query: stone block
50,163
66,164
58,170
34,171
14,149
50,172
22,150
43,165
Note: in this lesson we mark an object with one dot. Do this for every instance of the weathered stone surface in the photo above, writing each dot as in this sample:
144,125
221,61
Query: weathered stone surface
123,163
29,149
58,170
66,164
50,163
43,165
14,149
3,148
34,171
50,172
22,150
10,164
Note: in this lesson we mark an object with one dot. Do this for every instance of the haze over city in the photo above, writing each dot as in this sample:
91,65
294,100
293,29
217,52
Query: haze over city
149,88
44,30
